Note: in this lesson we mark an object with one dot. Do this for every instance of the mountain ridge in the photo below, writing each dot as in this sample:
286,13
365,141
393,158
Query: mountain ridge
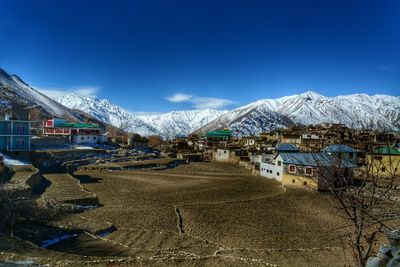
379,112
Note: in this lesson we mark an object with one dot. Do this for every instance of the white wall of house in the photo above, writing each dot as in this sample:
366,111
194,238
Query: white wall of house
272,171
310,137
86,139
222,155
249,142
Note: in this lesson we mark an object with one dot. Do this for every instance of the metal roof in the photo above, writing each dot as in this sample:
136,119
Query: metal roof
386,150
77,125
314,160
220,133
336,148
287,147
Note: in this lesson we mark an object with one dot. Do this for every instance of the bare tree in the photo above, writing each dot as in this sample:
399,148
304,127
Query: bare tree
124,126
366,196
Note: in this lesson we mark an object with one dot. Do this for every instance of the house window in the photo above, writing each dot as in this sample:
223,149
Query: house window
293,181
82,138
277,173
378,157
20,143
224,152
94,137
279,163
383,169
304,183
20,128
292,168
309,171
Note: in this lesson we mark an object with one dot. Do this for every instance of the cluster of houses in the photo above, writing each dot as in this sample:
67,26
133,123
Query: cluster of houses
292,156
17,133
296,156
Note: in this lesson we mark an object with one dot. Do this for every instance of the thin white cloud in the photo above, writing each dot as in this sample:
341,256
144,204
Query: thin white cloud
56,93
199,102
177,98
210,102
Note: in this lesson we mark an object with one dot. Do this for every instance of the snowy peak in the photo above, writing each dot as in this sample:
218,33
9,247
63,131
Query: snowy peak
104,110
181,122
379,112
167,125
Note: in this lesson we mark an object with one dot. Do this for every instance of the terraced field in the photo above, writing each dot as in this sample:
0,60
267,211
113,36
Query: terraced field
204,213
64,188
208,214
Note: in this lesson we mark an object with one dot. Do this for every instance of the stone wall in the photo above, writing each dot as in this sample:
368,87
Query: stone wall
25,179
49,142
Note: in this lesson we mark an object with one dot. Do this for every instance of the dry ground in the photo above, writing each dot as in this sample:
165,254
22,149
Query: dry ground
208,210
205,214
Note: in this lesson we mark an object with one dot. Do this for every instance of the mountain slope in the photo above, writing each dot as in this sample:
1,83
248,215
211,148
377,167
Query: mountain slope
167,125
104,110
16,92
176,123
380,112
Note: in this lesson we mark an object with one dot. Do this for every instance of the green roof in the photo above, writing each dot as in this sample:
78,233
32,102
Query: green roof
220,133
77,125
386,150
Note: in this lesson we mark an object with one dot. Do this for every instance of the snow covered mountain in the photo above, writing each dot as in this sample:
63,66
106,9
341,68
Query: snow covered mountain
167,125
15,92
176,123
380,112
104,110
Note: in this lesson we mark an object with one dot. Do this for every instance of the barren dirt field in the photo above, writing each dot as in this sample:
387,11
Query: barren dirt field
211,214
198,214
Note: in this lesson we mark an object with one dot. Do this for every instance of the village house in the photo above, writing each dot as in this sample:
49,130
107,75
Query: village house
15,135
232,154
303,169
216,137
291,136
286,148
77,133
342,151
385,161
257,158
270,137
311,141
222,155
248,141
191,157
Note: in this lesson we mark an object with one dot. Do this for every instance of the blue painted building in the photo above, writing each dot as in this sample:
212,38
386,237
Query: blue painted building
15,135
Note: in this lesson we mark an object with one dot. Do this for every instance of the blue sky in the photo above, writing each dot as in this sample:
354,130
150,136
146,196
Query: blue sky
157,56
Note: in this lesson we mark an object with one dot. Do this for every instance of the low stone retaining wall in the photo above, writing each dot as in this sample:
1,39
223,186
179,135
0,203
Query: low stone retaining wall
25,179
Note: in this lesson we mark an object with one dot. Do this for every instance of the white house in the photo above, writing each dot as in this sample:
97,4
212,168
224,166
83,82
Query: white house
222,155
272,169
